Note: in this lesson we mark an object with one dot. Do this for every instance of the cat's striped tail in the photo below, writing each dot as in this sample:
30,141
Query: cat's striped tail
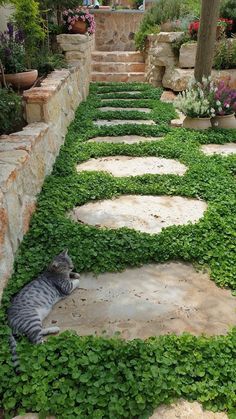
15,359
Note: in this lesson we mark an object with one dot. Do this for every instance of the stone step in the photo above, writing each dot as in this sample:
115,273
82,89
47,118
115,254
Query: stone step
118,67
118,56
118,77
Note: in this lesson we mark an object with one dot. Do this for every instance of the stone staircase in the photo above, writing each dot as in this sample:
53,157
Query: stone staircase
118,66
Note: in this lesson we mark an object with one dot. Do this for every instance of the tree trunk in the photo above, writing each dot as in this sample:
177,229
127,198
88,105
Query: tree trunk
206,38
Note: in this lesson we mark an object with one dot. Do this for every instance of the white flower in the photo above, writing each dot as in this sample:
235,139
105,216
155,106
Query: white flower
218,103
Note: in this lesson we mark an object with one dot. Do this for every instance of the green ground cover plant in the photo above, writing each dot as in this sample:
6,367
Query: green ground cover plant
95,377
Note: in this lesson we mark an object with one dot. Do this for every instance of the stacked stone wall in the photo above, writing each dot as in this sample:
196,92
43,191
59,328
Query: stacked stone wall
115,29
26,157
165,68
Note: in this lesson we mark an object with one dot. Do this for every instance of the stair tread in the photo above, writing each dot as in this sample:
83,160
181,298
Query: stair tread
112,73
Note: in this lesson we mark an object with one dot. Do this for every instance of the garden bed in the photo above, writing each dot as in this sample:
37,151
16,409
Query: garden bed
96,377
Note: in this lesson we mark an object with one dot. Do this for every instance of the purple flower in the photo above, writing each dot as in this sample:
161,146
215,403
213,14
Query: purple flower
10,28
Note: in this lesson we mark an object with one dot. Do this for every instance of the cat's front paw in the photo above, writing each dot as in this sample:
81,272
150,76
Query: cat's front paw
76,283
74,275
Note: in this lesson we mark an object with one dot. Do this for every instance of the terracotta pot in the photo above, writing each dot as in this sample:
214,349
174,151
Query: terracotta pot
197,123
21,80
79,27
224,121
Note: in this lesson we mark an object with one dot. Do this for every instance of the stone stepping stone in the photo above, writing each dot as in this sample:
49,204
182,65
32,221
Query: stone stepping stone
119,98
146,213
123,92
110,108
149,301
224,149
133,166
185,410
126,139
104,122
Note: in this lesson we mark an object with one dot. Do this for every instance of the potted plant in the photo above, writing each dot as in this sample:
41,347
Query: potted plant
13,60
225,106
196,103
79,20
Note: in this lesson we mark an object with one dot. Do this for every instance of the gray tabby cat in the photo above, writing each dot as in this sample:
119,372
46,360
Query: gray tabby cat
34,302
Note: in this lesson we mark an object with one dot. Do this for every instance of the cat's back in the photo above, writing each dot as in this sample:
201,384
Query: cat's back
35,293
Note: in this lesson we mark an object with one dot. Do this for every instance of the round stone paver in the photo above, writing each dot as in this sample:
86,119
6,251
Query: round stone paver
145,213
110,108
104,122
126,139
149,301
185,410
133,166
224,149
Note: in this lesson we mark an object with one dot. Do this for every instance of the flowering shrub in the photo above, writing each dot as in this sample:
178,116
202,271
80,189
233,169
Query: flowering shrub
197,101
224,24
12,50
225,99
71,16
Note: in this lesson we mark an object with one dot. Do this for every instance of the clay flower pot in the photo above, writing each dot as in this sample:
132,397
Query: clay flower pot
224,121
197,123
79,27
21,80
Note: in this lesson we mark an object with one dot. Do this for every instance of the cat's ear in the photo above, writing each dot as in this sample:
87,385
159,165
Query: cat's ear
64,253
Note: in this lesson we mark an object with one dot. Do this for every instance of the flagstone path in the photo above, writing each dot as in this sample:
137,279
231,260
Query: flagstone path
143,213
154,299
224,149
133,166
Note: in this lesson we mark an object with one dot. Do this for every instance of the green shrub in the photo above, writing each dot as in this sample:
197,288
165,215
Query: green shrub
225,54
11,113
161,12
27,18
176,45
47,61
228,9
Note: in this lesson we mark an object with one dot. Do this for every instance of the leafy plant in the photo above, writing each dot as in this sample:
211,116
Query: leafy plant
27,17
11,111
225,54
176,45
71,16
228,9
225,99
197,101
12,50
161,12
46,61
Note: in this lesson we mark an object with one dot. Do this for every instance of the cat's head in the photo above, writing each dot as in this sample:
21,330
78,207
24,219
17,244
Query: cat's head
62,263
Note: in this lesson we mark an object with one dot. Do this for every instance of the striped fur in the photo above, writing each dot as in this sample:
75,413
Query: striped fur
33,303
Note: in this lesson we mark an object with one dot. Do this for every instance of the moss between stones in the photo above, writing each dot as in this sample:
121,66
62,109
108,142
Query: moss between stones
71,376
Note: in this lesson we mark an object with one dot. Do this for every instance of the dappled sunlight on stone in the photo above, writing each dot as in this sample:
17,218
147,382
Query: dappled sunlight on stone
132,166
148,213
147,301
224,149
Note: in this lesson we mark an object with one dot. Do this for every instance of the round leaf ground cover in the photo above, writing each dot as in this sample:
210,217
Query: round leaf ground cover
71,376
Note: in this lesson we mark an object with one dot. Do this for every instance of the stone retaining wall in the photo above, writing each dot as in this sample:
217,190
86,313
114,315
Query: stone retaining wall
165,69
115,29
26,157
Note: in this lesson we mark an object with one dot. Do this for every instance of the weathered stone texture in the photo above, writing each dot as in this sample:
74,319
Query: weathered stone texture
115,29
28,156
187,55
164,68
